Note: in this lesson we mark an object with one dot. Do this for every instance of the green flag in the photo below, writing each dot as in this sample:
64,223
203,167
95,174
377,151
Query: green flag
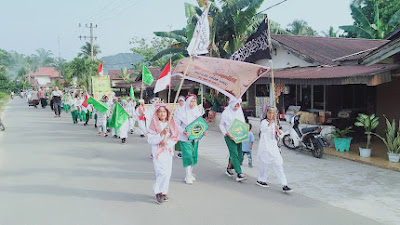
99,106
119,116
147,77
132,93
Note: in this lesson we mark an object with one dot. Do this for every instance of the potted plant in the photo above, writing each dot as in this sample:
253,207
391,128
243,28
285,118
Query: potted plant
369,122
342,142
392,140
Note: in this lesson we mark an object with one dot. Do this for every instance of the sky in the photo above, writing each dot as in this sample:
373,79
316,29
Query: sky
26,25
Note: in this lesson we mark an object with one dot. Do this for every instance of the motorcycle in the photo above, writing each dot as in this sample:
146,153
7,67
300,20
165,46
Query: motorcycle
2,127
309,138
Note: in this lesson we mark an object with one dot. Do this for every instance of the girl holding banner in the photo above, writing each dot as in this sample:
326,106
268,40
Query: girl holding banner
184,117
233,111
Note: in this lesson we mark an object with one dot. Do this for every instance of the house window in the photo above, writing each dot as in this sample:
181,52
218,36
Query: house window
262,90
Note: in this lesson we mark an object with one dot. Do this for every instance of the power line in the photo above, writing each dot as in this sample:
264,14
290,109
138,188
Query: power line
120,12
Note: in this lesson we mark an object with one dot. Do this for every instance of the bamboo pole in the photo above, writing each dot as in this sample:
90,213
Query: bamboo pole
141,86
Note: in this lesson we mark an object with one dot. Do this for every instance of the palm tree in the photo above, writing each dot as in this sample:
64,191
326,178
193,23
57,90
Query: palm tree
364,28
43,57
331,32
301,27
81,68
86,49
59,65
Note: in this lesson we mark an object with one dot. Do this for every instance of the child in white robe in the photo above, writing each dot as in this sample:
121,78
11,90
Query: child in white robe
124,129
102,118
141,115
269,152
132,114
162,137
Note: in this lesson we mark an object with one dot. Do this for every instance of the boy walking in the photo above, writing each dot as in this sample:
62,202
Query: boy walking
247,147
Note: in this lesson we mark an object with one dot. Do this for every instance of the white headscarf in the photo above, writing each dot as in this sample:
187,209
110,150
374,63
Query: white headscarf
187,115
229,115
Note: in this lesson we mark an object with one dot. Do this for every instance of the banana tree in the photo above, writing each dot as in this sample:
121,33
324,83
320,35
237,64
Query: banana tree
369,123
371,29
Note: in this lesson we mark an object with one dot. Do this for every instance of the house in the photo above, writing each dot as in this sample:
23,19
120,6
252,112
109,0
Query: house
43,77
115,76
324,74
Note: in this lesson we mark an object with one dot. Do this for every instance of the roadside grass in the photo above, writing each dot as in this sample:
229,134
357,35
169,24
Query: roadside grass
3,101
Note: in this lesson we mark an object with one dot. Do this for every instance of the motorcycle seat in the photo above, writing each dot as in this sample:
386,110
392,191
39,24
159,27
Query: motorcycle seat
308,129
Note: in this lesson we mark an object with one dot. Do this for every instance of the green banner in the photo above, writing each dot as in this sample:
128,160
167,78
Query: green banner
119,116
132,93
101,86
197,129
239,131
99,106
147,77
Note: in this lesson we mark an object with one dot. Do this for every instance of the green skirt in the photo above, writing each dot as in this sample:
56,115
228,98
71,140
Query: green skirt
189,152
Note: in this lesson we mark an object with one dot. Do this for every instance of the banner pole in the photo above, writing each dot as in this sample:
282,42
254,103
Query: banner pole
141,86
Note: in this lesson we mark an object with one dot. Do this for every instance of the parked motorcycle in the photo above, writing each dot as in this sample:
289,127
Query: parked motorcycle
2,127
309,138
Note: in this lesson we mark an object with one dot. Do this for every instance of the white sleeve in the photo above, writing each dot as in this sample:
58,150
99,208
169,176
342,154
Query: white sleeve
222,125
154,139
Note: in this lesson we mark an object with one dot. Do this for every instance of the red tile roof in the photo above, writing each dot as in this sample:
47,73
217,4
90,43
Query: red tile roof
325,49
44,72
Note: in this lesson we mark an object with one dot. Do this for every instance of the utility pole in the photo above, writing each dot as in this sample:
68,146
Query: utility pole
91,38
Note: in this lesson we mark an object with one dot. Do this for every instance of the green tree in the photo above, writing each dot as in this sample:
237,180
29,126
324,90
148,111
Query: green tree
43,58
81,68
59,65
331,32
301,27
86,49
231,21
149,49
387,8
371,28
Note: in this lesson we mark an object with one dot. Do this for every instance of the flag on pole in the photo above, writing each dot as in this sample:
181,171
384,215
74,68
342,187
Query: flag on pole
99,106
132,93
147,77
100,69
165,79
84,103
256,46
119,116
201,35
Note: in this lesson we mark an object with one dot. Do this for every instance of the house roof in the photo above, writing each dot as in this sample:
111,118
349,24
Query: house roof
323,50
337,75
114,74
395,34
44,72
381,53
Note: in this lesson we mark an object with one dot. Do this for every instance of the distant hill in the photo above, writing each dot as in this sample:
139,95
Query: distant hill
119,61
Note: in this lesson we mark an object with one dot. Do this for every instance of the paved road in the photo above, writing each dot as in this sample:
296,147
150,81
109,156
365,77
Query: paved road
55,172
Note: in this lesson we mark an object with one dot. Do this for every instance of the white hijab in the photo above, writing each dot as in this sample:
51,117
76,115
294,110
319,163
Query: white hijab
229,115
186,114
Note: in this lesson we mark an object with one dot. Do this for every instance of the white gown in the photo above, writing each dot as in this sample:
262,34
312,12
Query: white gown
269,153
162,164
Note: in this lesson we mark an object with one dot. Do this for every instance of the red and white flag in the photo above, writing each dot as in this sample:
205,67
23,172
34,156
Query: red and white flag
84,103
164,80
100,69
